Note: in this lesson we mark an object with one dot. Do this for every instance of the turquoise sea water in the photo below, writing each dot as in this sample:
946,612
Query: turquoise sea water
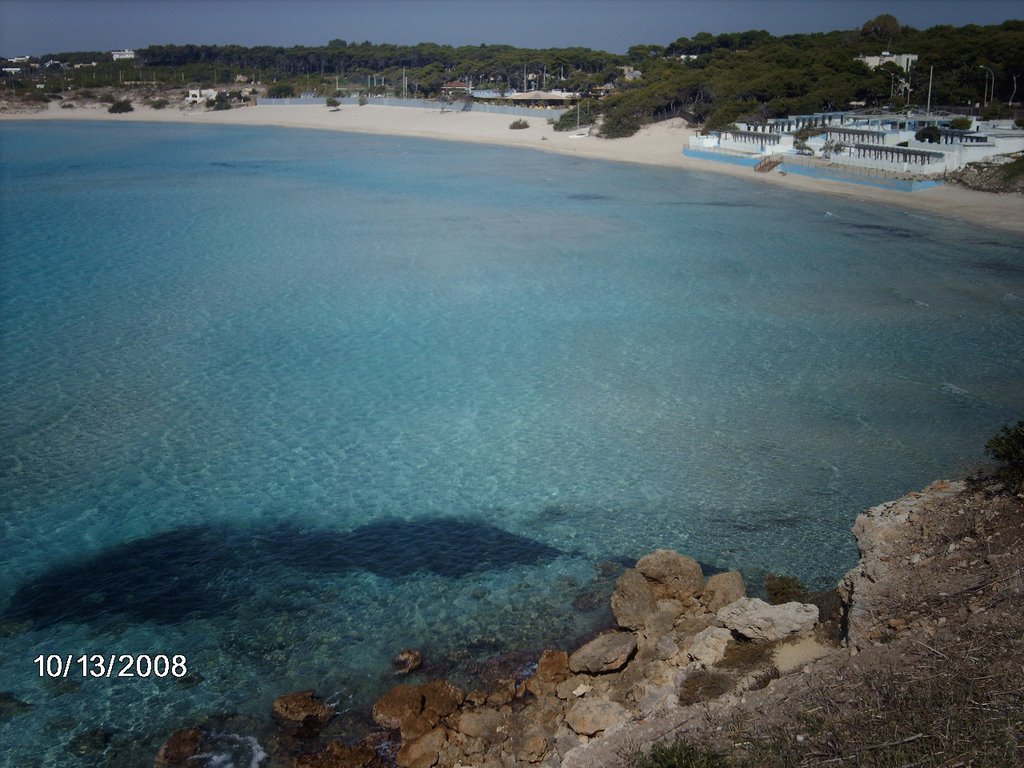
287,402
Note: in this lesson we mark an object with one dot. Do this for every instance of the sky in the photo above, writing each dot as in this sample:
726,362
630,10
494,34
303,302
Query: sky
37,27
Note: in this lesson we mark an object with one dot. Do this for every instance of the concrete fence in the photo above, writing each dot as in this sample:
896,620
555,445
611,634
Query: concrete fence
806,166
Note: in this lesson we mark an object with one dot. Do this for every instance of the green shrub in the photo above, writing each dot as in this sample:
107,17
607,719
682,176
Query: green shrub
1007,447
120,107
518,125
280,91
961,123
581,114
333,103
158,103
929,133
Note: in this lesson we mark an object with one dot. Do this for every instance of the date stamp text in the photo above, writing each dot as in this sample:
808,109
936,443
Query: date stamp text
112,665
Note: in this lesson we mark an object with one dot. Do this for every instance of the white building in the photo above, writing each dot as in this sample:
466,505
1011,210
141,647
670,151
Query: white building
127,53
868,140
195,96
902,60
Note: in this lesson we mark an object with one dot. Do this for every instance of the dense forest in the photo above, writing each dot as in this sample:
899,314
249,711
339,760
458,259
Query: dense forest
712,80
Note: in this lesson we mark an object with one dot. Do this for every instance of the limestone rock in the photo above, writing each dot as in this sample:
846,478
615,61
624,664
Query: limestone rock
422,752
552,669
573,687
633,600
708,647
605,653
407,661
722,589
181,748
760,622
673,576
337,755
401,703
303,707
883,533
666,648
417,709
533,748
502,692
590,716
482,724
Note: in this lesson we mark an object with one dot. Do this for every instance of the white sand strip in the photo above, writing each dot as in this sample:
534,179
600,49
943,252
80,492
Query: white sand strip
660,145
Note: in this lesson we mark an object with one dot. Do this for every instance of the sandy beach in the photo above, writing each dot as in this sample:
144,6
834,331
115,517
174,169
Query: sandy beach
659,145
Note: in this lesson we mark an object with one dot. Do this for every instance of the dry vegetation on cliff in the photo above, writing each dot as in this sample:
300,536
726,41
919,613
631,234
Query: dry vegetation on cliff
938,678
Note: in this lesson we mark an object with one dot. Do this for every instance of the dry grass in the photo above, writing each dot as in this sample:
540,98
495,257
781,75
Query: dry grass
744,656
704,685
956,702
941,686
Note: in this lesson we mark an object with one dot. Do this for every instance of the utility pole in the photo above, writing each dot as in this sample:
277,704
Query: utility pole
930,73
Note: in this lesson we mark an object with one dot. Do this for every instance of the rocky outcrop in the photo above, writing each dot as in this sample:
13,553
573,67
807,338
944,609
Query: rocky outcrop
888,538
304,709
672,576
416,710
338,755
633,600
605,653
591,716
760,622
622,690
668,631
708,647
722,589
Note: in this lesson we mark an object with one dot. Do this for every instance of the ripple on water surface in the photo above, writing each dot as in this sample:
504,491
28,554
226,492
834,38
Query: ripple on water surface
288,402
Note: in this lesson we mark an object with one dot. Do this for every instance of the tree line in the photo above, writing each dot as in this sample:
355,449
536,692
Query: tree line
711,80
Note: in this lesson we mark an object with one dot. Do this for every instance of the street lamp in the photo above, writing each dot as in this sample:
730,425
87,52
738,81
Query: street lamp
984,97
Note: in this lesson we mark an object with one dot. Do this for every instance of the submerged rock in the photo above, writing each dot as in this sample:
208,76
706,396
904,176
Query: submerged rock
11,706
304,708
90,742
407,661
181,749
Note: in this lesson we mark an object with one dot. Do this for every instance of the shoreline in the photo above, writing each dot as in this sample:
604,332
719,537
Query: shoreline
658,145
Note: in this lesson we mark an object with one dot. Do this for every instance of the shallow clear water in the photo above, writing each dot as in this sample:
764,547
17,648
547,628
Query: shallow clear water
286,402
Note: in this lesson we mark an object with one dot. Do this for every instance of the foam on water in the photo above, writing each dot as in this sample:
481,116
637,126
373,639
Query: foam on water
288,402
